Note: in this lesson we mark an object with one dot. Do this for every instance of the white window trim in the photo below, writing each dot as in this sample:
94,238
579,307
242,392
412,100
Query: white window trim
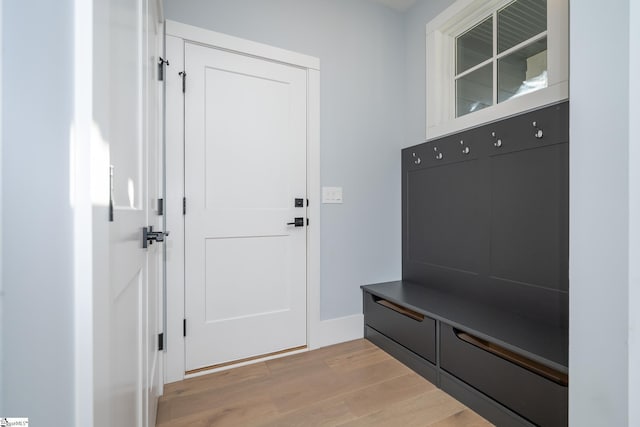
463,15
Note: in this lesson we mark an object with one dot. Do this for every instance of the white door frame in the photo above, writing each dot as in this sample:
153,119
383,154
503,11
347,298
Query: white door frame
176,34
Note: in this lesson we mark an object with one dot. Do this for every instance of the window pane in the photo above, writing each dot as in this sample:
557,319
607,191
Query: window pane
523,71
520,21
474,46
474,91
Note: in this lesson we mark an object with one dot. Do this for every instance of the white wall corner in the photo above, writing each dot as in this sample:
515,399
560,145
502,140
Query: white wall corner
313,210
82,180
339,330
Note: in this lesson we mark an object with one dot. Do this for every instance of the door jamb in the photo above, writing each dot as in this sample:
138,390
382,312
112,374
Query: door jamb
176,34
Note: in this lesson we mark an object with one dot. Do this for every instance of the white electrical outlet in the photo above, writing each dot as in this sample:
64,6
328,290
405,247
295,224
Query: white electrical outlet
331,194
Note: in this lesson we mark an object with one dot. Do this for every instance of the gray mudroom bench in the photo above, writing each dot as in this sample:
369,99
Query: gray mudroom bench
482,307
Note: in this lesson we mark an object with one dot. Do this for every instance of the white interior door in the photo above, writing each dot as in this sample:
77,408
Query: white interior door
126,127
128,261
245,164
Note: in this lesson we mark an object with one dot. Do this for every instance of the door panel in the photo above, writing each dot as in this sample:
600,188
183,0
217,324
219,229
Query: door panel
245,163
229,285
231,162
125,354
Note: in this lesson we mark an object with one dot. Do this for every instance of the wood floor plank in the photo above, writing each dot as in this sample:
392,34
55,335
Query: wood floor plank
328,412
316,358
216,380
229,396
350,384
417,411
307,390
357,359
464,418
371,399
245,413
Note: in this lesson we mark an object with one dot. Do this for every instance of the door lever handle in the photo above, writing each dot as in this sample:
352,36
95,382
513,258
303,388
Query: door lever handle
149,236
297,222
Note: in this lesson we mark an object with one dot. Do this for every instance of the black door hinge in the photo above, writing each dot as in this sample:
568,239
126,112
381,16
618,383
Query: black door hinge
160,206
183,74
184,206
184,327
161,63
307,222
160,341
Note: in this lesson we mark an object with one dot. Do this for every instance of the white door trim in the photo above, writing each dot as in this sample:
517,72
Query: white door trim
235,44
176,34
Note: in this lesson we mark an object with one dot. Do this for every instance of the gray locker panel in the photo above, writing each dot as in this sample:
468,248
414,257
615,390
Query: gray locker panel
518,133
530,217
492,225
445,216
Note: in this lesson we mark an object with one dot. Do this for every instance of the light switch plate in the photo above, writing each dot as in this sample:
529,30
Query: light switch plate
331,194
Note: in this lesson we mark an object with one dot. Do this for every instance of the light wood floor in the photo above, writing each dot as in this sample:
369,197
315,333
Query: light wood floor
349,384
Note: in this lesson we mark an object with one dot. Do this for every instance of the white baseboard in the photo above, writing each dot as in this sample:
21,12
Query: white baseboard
248,362
341,329
328,332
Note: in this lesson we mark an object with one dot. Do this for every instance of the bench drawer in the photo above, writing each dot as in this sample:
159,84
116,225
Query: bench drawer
537,393
406,327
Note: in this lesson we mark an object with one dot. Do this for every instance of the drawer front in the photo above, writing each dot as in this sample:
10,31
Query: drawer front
410,359
534,397
416,334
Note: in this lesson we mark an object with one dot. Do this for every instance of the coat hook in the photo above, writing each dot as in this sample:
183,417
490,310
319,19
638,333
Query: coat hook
538,134
416,160
498,142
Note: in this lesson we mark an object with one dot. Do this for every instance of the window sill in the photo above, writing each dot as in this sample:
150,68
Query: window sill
549,95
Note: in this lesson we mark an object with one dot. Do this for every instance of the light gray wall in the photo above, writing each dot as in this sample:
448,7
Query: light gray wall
360,46
415,23
37,233
599,214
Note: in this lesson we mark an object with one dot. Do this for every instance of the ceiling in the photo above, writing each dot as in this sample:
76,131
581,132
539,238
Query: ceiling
400,5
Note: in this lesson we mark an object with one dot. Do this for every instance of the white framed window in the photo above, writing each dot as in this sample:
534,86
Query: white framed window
490,59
